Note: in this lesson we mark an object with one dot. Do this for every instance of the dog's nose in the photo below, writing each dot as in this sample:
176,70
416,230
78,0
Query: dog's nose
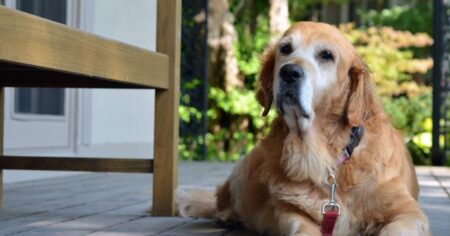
290,73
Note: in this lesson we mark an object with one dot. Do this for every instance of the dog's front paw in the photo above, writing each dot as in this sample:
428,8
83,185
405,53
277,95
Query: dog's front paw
406,226
227,219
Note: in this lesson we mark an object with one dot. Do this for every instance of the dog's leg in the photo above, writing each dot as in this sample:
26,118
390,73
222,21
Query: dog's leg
294,224
226,215
407,224
404,213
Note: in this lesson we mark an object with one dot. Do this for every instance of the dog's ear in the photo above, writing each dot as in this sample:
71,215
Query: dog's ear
361,102
265,91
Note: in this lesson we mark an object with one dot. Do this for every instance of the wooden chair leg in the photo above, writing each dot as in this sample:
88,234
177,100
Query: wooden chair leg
166,111
166,159
2,102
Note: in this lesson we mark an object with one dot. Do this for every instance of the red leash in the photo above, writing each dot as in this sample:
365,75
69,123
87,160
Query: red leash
329,219
330,210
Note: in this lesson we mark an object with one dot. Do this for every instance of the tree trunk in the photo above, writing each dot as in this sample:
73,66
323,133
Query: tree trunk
279,18
222,36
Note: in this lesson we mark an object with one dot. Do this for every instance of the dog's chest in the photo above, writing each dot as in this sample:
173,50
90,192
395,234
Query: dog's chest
356,210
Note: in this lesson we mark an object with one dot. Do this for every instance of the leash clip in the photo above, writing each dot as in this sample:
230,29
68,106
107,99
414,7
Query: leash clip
331,205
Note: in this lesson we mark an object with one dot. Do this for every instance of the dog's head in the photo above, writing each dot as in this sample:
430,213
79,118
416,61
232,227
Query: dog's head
314,70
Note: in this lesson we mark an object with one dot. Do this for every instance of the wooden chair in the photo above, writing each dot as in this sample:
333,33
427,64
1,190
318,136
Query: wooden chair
35,52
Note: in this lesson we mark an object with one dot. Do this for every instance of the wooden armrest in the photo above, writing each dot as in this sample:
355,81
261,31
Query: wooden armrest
32,44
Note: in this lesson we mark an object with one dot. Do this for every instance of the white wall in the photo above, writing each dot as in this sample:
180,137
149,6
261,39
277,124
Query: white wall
122,116
133,22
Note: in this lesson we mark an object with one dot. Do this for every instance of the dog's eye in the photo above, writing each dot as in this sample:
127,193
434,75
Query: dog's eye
326,55
286,49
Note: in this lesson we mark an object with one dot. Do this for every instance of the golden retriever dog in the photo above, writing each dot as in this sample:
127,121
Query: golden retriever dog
330,127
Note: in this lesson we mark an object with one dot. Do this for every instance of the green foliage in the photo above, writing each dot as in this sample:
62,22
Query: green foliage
236,102
302,10
414,17
252,26
228,142
409,114
388,53
249,51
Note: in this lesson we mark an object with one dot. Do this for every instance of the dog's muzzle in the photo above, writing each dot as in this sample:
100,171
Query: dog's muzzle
291,77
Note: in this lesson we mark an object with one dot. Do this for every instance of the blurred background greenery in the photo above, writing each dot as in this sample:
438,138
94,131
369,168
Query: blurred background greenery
393,36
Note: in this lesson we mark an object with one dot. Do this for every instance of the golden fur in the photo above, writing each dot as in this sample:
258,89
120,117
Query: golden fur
279,188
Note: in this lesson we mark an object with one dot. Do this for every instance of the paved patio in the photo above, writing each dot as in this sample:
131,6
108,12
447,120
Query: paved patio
116,204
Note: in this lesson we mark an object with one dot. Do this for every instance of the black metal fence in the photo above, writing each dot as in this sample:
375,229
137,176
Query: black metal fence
194,76
441,82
